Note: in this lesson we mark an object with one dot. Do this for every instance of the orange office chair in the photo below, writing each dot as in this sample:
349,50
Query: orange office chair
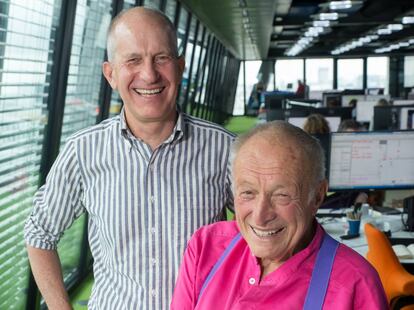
396,280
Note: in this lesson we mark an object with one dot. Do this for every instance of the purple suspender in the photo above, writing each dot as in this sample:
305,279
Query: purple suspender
320,275
219,262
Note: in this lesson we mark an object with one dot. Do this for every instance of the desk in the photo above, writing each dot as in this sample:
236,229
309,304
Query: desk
337,226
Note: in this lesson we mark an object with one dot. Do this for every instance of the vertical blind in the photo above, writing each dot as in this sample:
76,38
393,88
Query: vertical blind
26,30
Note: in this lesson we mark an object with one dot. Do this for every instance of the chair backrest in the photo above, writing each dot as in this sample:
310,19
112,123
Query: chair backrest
395,279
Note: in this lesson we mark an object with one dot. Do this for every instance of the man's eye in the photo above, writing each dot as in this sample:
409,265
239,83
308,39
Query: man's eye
282,198
133,61
247,194
162,59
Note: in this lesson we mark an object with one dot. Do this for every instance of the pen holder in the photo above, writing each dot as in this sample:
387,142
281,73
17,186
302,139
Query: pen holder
353,226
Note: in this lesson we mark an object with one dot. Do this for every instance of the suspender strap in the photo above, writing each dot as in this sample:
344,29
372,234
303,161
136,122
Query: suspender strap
219,262
320,274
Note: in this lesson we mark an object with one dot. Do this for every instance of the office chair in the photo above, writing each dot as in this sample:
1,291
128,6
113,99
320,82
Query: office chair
397,282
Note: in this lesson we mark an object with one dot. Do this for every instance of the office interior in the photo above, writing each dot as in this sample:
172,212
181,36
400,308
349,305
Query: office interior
243,58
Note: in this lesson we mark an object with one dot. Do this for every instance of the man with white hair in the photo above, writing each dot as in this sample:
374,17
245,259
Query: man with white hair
275,255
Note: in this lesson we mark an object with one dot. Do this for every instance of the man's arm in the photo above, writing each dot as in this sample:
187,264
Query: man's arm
47,272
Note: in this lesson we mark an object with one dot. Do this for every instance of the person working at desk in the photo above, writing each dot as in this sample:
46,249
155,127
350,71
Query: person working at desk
147,178
275,256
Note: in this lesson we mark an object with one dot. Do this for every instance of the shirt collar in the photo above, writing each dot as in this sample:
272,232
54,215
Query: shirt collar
176,135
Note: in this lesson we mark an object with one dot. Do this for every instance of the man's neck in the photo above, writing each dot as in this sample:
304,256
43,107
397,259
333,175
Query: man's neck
153,133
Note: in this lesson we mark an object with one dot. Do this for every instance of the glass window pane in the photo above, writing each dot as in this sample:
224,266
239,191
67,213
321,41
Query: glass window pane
378,73
319,73
170,9
350,73
188,54
155,4
409,71
82,99
252,78
25,64
182,23
288,72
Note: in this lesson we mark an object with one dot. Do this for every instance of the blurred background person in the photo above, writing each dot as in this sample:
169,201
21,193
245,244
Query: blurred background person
316,124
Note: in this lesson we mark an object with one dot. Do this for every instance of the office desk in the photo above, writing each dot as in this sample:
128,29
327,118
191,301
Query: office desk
338,226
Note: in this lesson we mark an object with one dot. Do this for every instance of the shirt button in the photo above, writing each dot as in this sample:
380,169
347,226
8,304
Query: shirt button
252,281
152,230
153,293
153,261
151,199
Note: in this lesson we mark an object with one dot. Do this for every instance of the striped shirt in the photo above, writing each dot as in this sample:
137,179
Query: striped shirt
143,205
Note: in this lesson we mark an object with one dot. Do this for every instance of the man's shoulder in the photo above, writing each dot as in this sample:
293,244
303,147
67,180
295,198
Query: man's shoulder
101,129
354,266
219,230
206,125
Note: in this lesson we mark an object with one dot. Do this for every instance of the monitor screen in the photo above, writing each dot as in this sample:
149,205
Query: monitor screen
393,117
371,160
333,122
365,111
332,99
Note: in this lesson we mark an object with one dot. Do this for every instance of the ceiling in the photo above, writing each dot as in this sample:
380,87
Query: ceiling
266,29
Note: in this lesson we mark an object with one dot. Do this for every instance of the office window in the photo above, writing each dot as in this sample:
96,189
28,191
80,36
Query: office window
188,53
82,99
200,90
170,9
181,31
252,77
350,73
378,73
288,72
155,4
26,47
196,61
319,73
409,71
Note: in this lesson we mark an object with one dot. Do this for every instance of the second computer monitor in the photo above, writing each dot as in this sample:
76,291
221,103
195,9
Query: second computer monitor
371,160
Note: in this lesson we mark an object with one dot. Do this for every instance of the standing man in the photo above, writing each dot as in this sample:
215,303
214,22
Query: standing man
147,178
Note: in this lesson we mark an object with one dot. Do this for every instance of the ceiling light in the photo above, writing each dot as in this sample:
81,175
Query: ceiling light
403,44
384,31
245,13
321,23
328,16
408,20
395,27
340,5
411,41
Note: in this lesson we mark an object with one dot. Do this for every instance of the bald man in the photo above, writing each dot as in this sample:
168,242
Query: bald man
148,178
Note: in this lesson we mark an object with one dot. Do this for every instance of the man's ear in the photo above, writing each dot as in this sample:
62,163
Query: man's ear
108,72
181,65
320,194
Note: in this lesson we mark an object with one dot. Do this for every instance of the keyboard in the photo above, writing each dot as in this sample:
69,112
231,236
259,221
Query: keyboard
386,210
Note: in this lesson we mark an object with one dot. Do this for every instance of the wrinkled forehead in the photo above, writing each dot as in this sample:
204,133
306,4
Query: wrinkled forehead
144,30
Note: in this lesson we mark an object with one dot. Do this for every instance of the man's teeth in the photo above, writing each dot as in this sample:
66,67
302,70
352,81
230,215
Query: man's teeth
265,233
148,91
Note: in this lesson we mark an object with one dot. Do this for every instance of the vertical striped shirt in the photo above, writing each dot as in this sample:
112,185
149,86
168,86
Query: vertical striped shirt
143,205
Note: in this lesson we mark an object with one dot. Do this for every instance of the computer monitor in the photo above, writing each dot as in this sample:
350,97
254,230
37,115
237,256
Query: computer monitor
342,112
393,117
371,160
332,99
333,122
365,111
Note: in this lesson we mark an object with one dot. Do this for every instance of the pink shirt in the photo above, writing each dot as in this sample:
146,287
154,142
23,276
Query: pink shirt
354,284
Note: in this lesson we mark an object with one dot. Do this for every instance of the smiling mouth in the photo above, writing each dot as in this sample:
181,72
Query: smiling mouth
265,233
148,92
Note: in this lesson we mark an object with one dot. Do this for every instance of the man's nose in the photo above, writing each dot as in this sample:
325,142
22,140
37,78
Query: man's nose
149,72
264,211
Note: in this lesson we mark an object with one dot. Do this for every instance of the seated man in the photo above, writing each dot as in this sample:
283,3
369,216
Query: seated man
276,255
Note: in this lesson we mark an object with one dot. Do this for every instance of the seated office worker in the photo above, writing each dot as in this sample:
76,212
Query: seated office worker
275,255
148,178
